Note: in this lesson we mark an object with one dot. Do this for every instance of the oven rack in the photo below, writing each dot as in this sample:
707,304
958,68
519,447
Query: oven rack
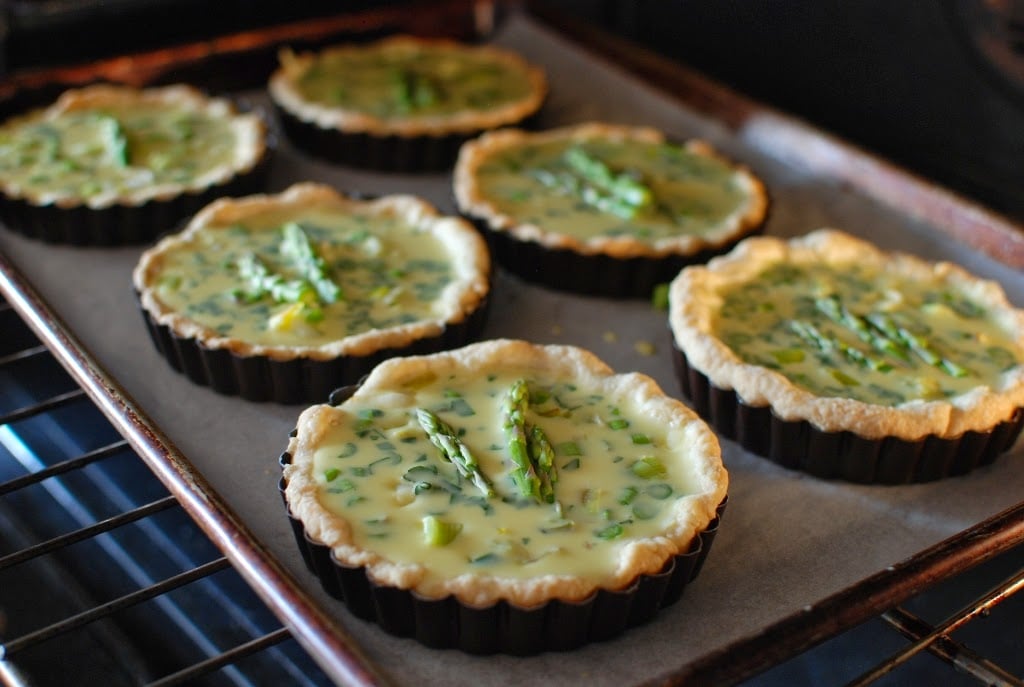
37,397
891,597
89,529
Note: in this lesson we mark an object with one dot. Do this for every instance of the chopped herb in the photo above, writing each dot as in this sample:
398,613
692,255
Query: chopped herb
610,532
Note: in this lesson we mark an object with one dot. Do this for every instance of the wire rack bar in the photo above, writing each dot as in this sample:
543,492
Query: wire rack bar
214,663
43,407
104,610
86,532
952,652
23,354
982,605
62,467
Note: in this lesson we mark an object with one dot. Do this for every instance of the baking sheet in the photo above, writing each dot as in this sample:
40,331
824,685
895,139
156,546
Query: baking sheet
787,539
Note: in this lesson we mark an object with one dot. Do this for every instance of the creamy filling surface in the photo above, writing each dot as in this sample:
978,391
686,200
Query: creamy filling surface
308,278
403,80
89,152
608,188
612,478
859,332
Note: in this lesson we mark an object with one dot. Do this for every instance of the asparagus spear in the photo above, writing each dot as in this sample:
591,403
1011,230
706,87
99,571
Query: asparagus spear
453,450
261,281
621,186
297,247
814,336
524,475
116,140
544,457
414,90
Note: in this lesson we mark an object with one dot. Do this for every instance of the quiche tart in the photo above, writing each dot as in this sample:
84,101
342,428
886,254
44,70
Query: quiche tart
829,355
285,297
113,165
604,209
504,497
402,103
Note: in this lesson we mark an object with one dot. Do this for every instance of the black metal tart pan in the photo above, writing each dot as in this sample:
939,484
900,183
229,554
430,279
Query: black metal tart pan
842,455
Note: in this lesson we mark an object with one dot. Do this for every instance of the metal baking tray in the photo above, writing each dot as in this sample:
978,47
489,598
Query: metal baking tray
797,559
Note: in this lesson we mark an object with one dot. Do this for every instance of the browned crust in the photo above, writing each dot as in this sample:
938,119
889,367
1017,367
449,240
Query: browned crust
248,128
465,296
287,96
694,299
473,203
696,445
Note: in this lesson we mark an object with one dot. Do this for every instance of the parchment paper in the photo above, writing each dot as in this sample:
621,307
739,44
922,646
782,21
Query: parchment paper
787,539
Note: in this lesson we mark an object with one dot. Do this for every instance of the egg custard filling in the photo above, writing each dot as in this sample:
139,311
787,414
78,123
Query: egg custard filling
505,471
880,339
312,271
102,144
605,188
408,85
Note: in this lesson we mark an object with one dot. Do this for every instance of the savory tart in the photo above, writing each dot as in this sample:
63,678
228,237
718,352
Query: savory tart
286,297
111,164
604,209
505,475
402,103
830,355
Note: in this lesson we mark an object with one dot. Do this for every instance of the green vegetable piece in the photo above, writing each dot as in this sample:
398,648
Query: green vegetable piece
261,281
438,532
569,448
659,297
618,423
524,474
644,511
622,187
116,140
640,438
612,531
543,457
453,450
789,355
659,491
297,247
331,474
648,467
627,495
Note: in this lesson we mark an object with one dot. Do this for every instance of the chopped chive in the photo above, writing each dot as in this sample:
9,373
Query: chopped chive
618,423
639,438
611,532
331,474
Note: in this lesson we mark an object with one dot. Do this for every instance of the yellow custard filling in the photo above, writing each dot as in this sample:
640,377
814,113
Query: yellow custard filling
615,476
863,332
247,280
91,148
645,190
398,79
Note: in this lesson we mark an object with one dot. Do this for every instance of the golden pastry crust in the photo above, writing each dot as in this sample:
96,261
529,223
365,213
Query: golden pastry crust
695,299
692,444
474,203
466,293
283,90
248,130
